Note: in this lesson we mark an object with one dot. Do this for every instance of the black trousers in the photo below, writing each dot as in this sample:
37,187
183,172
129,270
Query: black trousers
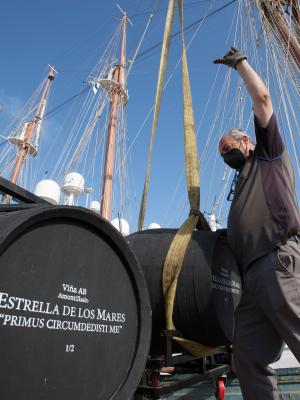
267,316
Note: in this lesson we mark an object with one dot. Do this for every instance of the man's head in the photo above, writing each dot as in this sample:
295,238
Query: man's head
235,148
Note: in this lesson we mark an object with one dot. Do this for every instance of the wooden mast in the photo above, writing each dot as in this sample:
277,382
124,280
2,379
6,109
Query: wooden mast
296,16
274,17
119,77
24,149
295,11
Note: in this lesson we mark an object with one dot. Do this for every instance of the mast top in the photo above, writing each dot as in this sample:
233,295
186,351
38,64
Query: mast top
52,72
124,14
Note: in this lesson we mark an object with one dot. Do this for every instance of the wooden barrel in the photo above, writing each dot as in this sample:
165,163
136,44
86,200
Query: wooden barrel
208,291
75,316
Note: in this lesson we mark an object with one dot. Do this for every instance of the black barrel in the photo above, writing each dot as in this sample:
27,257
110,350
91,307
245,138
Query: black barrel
208,291
75,318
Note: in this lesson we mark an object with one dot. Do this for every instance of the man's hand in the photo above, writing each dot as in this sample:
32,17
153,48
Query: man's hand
262,104
231,59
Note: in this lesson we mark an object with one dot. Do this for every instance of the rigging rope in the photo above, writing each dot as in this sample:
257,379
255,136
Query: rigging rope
59,106
139,45
158,10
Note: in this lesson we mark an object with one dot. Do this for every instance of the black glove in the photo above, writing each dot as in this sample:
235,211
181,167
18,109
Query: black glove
231,59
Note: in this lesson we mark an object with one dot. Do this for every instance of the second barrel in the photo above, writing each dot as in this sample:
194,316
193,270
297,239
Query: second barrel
208,290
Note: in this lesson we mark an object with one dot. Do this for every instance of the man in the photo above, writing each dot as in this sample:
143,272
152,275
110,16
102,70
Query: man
263,227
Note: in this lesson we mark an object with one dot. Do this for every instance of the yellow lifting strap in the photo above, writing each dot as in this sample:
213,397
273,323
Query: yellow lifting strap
159,90
177,250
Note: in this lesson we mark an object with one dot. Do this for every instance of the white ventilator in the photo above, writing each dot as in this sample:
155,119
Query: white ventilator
95,206
73,187
212,222
122,225
48,190
154,225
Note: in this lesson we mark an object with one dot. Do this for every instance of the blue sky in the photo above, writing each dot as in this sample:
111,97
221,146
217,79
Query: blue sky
72,34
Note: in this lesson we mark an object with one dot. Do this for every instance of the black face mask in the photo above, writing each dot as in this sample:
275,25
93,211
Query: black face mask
234,158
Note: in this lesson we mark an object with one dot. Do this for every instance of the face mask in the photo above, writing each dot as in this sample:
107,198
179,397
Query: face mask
234,158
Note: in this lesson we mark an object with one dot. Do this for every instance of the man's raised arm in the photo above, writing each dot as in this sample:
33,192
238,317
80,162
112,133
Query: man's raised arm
262,104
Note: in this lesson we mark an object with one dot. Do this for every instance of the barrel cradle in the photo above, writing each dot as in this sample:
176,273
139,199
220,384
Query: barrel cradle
75,317
208,290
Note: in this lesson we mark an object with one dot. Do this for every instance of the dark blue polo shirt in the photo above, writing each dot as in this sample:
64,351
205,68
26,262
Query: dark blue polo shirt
264,211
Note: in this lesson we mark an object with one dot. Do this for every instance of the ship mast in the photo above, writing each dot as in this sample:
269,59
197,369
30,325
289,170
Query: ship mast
26,146
296,16
274,16
118,96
